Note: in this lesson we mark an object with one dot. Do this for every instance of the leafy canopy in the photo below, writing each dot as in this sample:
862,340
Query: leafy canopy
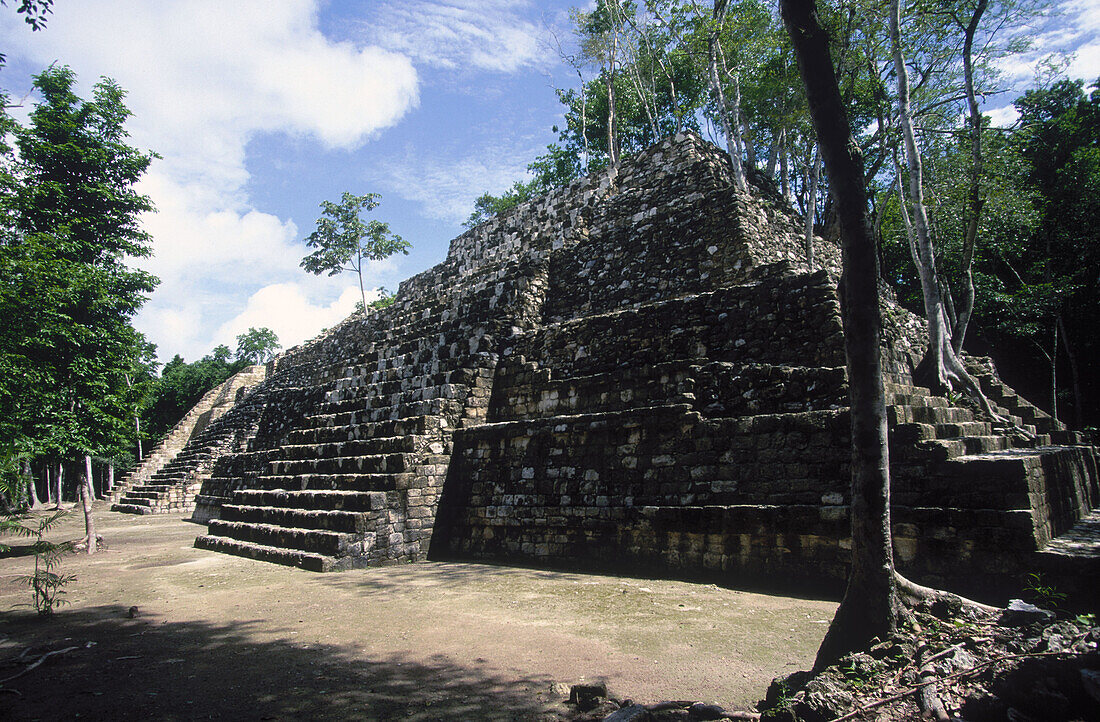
344,241
257,345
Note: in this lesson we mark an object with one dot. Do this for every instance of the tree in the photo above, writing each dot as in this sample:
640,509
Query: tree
344,242
70,223
871,606
1049,282
940,368
257,345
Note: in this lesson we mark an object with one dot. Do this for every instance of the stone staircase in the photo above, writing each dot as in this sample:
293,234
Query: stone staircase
356,482
128,495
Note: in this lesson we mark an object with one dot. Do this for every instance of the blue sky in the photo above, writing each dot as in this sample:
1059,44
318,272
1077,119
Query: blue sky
261,109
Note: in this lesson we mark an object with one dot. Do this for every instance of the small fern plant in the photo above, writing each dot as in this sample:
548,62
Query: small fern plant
46,583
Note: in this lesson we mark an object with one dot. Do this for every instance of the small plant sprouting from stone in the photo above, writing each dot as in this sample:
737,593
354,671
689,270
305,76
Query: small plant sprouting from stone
1041,593
46,583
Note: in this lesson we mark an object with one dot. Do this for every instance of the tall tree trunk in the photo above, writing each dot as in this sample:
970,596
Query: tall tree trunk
57,481
137,433
732,136
32,491
871,606
784,177
1078,401
110,476
734,143
86,495
811,208
974,196
773,156
1053,356
747,141
940,369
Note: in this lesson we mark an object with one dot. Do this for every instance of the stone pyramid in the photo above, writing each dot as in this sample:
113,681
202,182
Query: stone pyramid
635,373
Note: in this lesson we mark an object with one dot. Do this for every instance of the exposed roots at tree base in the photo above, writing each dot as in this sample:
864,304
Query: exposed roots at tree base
913,595
941,371
956,659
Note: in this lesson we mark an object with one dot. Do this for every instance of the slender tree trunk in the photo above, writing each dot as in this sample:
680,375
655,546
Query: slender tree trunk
784,177
732,136
110,476
871,606
773,156
974,197
940,369
811,208
137,432
1078,409
32,491
747,141
58,479
1054,372
732,117
86,496
89,476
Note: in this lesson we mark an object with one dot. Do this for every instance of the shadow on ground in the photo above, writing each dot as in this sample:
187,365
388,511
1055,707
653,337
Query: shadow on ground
144,669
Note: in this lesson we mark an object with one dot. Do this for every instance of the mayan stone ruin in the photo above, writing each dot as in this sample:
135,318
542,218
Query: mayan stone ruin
638,373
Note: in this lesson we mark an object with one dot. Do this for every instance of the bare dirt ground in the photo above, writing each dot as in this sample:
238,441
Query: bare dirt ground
220,637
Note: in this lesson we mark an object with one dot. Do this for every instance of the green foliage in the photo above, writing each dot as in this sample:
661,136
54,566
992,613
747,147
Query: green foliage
13,482
69,222
182,384
257,345
46,584
385,300
1039,592
344,242
554,169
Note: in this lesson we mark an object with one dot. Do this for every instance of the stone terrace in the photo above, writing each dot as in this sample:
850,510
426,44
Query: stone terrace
637,372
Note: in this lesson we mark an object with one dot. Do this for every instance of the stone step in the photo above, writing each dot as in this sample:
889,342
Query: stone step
430,407
382,383
131,508
333,500
317,541
354,447
344,482
530,392
318,434
350,522
289,557
927,414
382,403
374,464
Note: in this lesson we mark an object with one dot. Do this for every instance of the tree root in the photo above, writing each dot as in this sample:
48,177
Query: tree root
928,694
955,675
913,593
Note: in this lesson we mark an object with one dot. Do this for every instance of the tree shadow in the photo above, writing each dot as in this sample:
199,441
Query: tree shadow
144,668
17,550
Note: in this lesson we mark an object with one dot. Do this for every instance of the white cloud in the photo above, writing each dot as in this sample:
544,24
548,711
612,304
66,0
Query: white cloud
1072,30
448,187
460,34
203,78
286,309
1003,117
